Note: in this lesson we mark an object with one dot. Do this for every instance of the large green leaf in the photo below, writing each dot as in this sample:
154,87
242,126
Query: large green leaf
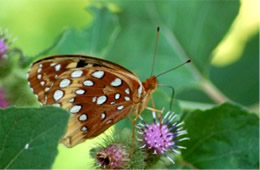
29,136
223,137
240,81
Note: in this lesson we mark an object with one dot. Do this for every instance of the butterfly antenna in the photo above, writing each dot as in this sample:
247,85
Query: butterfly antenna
155,49
188,61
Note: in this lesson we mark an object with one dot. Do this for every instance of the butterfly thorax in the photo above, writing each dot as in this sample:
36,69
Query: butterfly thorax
149,85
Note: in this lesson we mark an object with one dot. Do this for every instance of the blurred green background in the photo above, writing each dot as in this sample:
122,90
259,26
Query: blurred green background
37,24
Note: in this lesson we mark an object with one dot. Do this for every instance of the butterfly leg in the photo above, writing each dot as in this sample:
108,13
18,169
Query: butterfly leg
155,110
172,91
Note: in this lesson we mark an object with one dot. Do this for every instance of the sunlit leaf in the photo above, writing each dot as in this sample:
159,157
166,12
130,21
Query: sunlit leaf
240,81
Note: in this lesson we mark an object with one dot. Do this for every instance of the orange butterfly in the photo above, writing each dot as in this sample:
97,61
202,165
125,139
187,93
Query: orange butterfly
97,92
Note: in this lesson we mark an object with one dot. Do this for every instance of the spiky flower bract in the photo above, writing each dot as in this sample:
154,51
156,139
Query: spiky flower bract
8,54
162,136
117,152
114,156
5,43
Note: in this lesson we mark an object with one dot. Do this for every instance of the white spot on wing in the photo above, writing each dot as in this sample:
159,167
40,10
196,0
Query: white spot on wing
75,109
88,83
127,91
120,107
103,116
127,98
94,99
52,64
83,117
47,89
64,83
77,73
84,129
40,65
80,91
58,94
109,121
57,67
117,82
98,74
117,96
101,99
39,70
39,76
42,83
71,100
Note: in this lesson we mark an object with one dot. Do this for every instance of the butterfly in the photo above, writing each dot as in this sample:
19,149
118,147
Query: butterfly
97,92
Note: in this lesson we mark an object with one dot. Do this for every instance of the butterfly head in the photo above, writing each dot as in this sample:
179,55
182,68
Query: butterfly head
150,84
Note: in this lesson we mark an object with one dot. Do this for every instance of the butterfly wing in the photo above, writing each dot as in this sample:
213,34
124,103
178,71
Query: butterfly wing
98,93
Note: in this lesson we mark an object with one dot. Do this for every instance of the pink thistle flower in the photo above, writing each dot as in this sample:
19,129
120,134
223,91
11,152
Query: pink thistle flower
3,48
3,101
162,136
114,156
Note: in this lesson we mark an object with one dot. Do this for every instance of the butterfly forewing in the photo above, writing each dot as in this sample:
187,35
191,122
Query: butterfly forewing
98,93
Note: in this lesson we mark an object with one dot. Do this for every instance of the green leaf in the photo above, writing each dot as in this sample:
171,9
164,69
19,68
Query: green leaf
223,137
29,136
95,40
18,91
240,81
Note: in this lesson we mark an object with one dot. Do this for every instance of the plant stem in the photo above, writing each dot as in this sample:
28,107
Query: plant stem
190,105
207,86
